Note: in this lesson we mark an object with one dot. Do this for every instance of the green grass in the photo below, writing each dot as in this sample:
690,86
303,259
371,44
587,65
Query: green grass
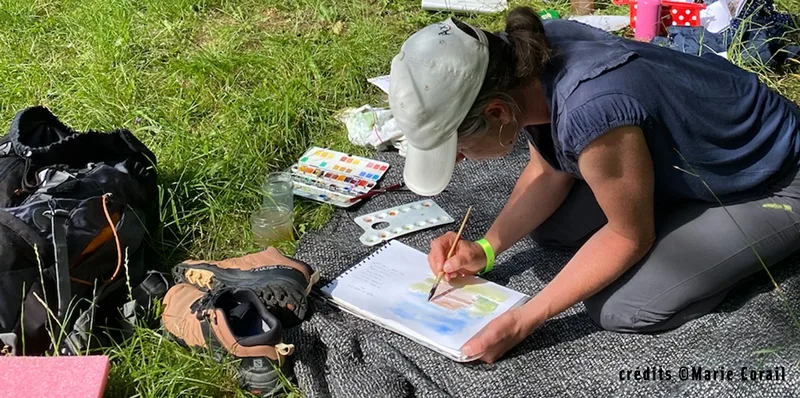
223,92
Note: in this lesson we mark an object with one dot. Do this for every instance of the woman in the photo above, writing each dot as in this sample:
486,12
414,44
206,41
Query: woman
623,137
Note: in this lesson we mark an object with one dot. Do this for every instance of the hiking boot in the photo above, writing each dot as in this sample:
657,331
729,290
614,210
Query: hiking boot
231,321
281,282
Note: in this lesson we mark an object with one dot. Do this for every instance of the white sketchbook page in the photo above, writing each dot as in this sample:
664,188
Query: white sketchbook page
391,287
381,82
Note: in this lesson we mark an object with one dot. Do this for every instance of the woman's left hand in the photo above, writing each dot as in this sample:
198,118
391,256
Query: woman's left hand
503,334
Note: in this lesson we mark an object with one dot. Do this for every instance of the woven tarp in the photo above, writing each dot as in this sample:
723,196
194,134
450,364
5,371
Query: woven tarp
339,355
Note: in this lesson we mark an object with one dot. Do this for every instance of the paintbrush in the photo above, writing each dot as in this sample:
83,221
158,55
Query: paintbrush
377,192
450,253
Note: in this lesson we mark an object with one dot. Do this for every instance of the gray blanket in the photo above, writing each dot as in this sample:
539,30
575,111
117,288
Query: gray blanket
339,355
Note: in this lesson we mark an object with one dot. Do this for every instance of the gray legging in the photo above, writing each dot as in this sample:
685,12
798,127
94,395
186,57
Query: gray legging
698,256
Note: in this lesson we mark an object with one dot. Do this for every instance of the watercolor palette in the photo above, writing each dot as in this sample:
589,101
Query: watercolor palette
320,193
334,177
387,224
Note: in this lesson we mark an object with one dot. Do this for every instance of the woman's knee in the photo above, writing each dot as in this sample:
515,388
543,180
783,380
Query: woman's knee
630,314
631,305
618,315
613,314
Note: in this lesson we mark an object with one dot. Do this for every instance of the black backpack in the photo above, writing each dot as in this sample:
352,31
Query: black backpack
77,211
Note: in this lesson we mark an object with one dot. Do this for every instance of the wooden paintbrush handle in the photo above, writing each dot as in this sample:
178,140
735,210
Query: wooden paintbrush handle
450,253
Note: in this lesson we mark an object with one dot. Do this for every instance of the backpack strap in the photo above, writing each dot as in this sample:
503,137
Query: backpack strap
79,339
155,284
58,224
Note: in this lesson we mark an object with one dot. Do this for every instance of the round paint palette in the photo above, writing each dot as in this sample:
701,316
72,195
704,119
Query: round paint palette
390,223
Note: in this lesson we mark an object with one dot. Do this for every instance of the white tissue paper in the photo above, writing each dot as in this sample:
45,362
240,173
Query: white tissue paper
373,127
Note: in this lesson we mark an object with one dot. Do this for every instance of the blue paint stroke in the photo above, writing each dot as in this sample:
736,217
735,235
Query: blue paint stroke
431,317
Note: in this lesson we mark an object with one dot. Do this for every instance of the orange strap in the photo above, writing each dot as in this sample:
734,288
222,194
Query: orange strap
116,239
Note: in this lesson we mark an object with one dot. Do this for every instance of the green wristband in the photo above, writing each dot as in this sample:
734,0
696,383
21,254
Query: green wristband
487,248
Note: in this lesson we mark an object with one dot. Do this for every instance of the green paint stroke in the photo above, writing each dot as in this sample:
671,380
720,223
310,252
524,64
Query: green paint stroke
479,289
422,287
487,292
482,306
777,206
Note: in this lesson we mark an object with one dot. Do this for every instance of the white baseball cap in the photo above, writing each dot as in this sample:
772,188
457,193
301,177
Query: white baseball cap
435,80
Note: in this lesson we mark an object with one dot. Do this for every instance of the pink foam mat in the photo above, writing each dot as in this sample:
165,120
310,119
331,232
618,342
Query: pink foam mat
63,377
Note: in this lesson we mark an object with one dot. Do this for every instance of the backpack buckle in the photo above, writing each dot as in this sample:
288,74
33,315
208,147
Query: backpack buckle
9,344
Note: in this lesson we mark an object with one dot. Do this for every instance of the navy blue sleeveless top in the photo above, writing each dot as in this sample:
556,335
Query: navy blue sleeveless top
733,130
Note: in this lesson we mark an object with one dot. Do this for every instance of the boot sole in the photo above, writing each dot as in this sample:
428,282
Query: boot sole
277,288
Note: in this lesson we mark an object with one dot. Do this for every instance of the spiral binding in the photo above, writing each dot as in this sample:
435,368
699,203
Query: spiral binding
362,262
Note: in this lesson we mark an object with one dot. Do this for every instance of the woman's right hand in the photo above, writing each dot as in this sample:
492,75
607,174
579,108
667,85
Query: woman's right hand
468,257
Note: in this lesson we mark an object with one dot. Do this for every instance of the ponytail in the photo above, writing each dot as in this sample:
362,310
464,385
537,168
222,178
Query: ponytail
516,56
531,46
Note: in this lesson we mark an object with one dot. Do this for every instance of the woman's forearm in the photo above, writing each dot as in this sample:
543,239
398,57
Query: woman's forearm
535,197
600,261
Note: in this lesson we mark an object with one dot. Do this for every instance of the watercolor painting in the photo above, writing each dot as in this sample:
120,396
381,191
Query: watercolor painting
453,308
476,299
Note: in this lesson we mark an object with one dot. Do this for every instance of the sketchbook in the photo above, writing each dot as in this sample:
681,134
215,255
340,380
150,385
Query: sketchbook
390,288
